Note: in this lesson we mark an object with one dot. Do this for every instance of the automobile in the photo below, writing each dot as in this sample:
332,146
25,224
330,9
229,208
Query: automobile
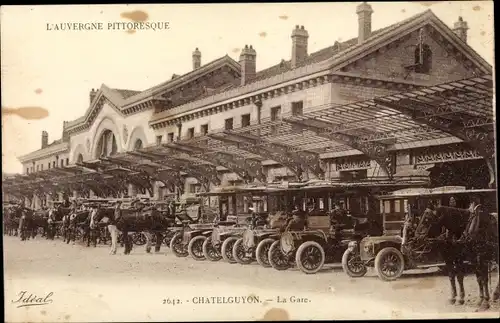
257,239
395,251
310,248
220,243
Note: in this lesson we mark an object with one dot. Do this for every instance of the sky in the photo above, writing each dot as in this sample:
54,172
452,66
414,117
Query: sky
57,69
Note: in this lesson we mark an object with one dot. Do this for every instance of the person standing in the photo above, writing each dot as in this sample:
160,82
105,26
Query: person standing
113,230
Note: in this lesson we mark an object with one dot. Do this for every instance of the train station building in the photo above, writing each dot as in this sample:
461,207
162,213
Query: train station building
406,105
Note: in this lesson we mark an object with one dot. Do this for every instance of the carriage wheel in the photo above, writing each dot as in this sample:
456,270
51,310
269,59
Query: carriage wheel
195,248
277,259
139,239
177,247
262,252
389,264
352,264
227,249
310,257
239,253
210,252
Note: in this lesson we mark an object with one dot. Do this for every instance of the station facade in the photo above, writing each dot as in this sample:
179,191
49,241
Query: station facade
279,102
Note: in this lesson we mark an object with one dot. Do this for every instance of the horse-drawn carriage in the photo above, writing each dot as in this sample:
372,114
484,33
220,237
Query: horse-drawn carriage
396,251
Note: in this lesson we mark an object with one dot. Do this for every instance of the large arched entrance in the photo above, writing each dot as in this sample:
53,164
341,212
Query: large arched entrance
106,145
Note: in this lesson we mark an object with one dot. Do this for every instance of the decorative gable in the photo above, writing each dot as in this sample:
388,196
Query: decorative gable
423,56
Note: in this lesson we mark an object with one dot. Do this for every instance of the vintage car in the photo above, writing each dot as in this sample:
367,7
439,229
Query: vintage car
309,249
188,239
219,245
395,252
257,239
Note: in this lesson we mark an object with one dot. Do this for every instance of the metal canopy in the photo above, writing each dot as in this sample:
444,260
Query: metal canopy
277,151
374,127
204,171
463,109
246,167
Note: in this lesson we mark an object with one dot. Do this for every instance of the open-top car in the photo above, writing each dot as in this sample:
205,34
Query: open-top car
309,245
257,239
392,253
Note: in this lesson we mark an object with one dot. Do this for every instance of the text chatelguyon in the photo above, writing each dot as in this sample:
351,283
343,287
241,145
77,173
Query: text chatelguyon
126,26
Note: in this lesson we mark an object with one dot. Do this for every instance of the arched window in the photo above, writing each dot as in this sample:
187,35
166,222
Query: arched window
79,159
107,144
423,58
138,144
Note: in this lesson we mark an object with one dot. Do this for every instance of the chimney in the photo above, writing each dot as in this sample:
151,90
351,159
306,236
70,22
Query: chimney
196,59
248,64
364,12
299,45
45,139
460,29
93,94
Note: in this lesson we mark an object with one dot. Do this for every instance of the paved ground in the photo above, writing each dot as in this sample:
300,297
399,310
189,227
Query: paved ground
88,284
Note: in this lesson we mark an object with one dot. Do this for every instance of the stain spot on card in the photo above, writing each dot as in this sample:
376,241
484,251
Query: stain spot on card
130,31
403,10
43,312
476,8
136,15
67,317
429,3
283,17
263,34
276,314
236,50
100,295
29,113
38,91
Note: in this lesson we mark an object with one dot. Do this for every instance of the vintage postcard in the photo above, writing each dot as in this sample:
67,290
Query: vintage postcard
219,162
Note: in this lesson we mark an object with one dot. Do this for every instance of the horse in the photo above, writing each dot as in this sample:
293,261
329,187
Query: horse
460,243
12,216
148,221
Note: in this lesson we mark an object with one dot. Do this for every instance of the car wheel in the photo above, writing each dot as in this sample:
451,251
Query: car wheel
389,264
277,259
177,247
310,257
195,248
352,264
210,252
262,252
227,249
239,253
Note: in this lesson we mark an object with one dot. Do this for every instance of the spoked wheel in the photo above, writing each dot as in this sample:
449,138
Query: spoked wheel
139,239
352,264
277,259
195,248
389,264
239,253
210,252
310,257
262,252
168,237
227,249
177,247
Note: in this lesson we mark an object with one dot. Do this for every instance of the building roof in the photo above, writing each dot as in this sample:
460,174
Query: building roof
124,98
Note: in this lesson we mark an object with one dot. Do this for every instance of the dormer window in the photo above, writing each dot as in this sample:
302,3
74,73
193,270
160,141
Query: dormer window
423,58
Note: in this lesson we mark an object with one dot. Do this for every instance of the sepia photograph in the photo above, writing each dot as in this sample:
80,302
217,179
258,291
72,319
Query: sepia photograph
249,162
